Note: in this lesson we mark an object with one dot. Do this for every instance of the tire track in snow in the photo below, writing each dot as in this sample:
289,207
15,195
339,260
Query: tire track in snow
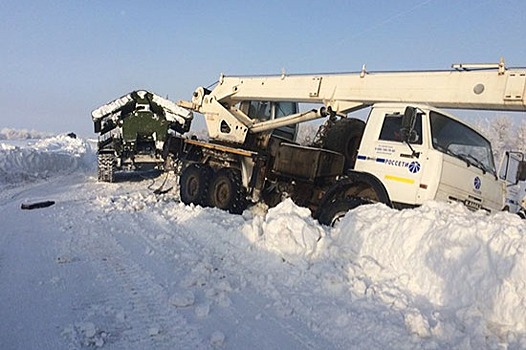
213,276
133,298
187,238
284,304
204,250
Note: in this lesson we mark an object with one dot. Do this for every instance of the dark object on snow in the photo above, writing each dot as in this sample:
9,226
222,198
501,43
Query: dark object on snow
37,205
72,135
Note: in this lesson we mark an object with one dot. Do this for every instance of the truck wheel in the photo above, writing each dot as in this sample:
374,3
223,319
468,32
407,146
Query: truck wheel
106,167
193,184
336,210
345,137
226,191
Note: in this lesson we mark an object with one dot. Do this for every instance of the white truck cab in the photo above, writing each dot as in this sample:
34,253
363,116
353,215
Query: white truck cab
438,158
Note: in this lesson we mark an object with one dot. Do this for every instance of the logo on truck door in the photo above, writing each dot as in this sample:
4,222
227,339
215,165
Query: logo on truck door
414,167
477,183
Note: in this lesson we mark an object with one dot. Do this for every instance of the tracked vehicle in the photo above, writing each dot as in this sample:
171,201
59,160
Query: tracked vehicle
132,130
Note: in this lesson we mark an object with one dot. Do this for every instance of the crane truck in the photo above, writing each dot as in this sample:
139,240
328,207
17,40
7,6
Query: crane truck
410,150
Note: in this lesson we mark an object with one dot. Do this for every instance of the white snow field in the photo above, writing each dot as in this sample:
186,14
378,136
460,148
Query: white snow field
115,266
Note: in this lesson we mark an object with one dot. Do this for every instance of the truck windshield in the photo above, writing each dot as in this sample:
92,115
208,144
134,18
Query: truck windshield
460,141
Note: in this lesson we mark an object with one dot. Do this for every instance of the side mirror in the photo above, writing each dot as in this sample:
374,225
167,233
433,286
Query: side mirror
409,118
513,168
521,171
408,125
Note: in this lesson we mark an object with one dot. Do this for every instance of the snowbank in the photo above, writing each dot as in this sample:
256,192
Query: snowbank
288,230
40,159
439,265
439,259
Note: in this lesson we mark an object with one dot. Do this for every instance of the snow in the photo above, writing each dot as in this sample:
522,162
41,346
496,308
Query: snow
111,107
21,134
173,112
115,266
43,158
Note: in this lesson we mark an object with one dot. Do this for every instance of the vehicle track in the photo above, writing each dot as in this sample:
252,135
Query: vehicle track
132,296
222,269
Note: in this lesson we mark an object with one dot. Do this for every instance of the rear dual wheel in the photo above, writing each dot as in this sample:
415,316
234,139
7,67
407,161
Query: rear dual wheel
193,184
200,186
226,191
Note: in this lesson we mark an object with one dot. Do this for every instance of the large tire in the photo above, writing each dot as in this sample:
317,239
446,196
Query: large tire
226,191
106,167
193,184
345,137
335,210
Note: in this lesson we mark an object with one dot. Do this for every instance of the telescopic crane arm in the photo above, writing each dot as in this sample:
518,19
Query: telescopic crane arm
465,86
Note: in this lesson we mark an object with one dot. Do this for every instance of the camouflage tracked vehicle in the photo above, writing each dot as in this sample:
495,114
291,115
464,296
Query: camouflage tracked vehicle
132,130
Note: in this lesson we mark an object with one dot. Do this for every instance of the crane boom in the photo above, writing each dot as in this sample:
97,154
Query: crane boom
488,89
482,87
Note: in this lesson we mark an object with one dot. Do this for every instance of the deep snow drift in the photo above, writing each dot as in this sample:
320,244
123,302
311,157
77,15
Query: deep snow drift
42,158
116,266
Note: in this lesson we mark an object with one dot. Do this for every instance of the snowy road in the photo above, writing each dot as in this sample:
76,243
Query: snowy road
115,266
83,274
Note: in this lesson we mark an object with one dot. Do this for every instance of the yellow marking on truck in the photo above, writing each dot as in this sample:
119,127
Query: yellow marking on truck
400,179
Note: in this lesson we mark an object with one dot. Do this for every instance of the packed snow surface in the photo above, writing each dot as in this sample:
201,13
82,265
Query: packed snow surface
116,266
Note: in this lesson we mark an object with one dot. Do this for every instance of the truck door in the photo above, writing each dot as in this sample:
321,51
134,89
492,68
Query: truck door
468,170
383,153
515,188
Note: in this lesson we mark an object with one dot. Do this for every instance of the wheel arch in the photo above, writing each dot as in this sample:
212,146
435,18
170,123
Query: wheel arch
356,184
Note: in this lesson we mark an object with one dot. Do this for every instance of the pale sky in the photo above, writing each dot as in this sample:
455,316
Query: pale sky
61,59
